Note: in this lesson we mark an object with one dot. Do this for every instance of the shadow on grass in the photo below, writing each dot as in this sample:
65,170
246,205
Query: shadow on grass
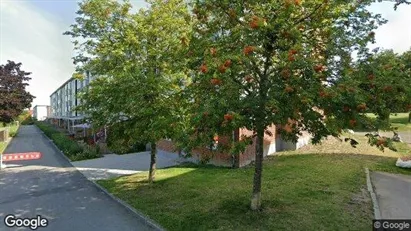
314,191
400,120
187,164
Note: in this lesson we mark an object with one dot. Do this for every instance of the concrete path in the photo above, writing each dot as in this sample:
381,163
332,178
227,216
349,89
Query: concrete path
113,165
393,194
52,188
405,136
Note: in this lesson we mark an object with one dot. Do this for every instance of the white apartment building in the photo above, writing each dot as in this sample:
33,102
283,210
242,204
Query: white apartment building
64,100
41,112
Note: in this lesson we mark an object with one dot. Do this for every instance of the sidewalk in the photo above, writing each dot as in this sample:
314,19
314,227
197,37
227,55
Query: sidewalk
393,194
51,188
405,136
113,165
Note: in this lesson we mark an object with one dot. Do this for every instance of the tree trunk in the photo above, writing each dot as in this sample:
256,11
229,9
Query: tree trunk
259,155
409,117
384,121
152,172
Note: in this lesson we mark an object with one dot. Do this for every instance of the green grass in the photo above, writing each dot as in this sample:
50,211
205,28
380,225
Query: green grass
399,120
13,128
301,190
3,146
333,146
310,192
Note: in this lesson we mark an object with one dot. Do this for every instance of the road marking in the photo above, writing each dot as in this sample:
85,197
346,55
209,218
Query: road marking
21,156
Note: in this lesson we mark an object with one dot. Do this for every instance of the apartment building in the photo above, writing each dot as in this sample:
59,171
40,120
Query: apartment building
65,99
41,112
63,103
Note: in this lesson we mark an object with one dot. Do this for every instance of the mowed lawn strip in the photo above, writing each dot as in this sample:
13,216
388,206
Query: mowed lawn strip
333,146
3,146
300,192
13,128
399,120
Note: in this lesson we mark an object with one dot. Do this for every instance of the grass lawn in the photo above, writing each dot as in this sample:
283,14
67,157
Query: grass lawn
13,127
300,192
12,132
399,120
2,147
334,146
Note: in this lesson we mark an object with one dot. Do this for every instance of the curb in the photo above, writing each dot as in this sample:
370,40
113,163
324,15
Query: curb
147,221
377,212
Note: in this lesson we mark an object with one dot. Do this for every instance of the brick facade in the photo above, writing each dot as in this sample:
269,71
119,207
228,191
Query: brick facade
203,154
226,159
249,154
166,145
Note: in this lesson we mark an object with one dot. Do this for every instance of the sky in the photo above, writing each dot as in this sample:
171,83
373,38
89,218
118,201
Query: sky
31,32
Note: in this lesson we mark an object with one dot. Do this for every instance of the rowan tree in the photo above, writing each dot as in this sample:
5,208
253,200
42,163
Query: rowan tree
406,60
136,57
288,63
14,97
397,2
386,84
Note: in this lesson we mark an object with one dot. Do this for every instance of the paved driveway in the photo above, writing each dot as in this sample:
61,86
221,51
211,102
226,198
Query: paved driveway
113,165
405,136
393,194
52,188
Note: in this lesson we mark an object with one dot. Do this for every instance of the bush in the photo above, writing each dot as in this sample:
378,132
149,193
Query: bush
119,147
13,128
28,121
25,118
89,152
71,148
118,143
67,146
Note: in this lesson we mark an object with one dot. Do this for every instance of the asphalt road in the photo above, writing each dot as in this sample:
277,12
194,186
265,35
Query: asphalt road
393,194
52,188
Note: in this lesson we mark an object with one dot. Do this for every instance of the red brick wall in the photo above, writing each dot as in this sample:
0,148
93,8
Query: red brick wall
249,154
203,153
166,145
223,158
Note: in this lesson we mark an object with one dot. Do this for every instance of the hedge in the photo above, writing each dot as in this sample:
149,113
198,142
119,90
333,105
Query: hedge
71,148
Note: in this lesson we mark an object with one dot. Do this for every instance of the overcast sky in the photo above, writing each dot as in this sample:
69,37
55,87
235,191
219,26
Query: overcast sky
31,33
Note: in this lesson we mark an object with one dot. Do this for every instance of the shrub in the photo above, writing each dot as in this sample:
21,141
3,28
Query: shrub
120,143
89,152
71,148
13,128
25,118
119,147
12,133
28,121
67,146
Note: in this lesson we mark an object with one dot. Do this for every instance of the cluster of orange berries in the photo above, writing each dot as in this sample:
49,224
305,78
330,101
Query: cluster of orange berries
288,3
256,22
248,50
224,66
291,55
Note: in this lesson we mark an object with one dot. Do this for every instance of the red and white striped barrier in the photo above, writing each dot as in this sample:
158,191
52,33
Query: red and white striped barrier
21,156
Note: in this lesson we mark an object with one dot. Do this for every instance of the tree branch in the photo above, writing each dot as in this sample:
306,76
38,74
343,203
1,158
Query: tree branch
309,15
